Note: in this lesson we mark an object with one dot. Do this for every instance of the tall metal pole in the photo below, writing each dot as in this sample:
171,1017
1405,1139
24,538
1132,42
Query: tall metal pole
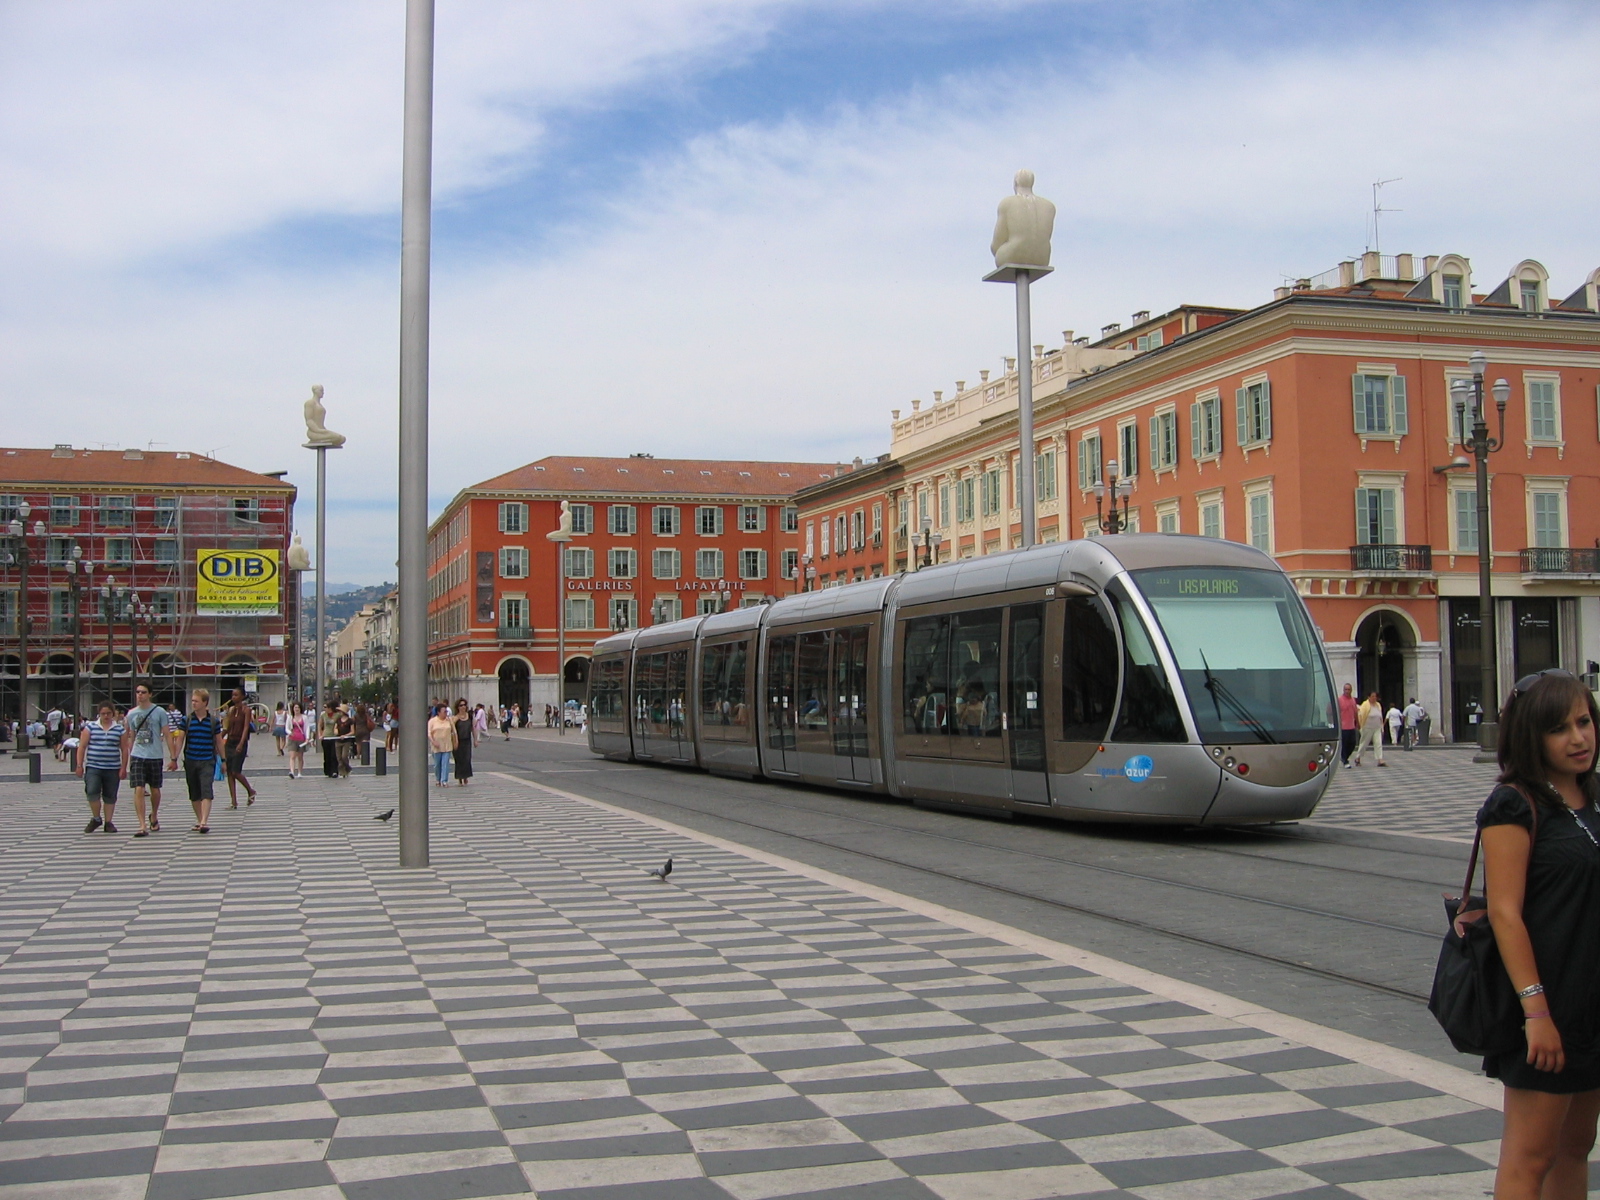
23,624
73,569
1488,643
416,223
322,582
1025,499
561,632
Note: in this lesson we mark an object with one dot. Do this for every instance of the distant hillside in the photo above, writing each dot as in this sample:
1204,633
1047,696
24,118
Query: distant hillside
309,587
346,603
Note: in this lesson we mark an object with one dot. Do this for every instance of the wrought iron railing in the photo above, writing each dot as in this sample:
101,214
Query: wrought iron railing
1561,560
514,633
1392,557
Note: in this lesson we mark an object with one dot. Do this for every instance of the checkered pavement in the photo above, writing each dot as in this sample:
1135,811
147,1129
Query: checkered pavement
1434,793
276,1009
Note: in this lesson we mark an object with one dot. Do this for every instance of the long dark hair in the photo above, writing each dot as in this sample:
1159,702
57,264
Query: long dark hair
1526,719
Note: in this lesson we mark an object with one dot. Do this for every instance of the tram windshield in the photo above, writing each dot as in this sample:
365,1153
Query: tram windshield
1247,653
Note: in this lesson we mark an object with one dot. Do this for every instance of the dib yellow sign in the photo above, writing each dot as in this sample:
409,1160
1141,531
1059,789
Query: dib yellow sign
236,583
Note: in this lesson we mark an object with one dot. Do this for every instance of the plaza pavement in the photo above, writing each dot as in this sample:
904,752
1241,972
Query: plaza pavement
1432,793
276,1010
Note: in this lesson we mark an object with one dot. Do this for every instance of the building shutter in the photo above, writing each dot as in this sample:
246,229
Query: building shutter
1083,464
1197,445
1241,415
1358,394
1265,415
1400,422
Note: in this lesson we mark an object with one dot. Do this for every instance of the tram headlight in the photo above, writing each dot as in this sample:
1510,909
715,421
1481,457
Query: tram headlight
1229,762
1327,749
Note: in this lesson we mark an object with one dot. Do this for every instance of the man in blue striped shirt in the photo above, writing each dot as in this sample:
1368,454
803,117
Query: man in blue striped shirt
195,738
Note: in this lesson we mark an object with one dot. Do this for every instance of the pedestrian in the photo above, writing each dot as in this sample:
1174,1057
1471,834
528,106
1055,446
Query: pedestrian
328,735
102,765
196,737
1394,719
391,726
1414,714
505,722
296,730
280,727
1369,719
441,743
147,728
345,723
52,726
237,727
1543,888
480,725
461,720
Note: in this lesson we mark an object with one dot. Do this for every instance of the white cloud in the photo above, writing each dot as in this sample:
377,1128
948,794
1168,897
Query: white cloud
772,290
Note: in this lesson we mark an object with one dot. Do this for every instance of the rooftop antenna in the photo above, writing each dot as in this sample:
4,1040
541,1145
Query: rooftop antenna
1378,210
152,444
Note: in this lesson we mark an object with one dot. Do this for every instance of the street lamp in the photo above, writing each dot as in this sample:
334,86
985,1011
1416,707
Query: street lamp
1481,445
931,538
1116,489
19,530
76,566
660,611
561,535
112,598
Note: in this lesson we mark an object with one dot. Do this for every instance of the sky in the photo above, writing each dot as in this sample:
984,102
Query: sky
712,228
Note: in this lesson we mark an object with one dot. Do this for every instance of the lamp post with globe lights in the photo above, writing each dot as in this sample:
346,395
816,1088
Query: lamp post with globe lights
931,540
1117,489
79,573
113,598
18,529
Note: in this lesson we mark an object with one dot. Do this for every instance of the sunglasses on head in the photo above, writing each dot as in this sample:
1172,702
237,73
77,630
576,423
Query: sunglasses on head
1523,685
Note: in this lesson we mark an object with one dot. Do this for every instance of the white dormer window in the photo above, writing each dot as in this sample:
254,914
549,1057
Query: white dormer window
1454,291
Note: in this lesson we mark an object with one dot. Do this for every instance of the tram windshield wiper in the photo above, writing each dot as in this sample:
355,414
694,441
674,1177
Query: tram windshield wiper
1219,692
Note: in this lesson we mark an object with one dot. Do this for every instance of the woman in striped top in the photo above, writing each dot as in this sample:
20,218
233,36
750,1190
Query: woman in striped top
103,764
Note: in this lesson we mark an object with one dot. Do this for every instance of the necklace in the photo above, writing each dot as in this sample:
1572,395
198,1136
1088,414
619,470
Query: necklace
1587,832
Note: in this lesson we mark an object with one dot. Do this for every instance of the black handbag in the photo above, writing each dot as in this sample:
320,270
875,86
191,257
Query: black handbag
1472,997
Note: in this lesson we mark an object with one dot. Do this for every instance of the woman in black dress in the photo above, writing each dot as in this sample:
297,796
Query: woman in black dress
1543,887
462,719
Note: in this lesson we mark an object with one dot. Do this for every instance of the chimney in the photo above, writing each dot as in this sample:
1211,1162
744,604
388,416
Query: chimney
133,455
1405,267
62,450
1083,341
1302,285
855,464
1371,265
1347,273
1281,293
1140,317
983,376
1108,330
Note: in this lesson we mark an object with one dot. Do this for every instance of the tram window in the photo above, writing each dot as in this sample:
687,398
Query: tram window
677,692
605,690
724,711
1089,674
811,684
738,702
850,691
926,681
975,673
1148,712
780,693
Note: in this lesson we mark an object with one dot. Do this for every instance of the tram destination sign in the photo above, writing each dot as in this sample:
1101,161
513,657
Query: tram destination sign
237,583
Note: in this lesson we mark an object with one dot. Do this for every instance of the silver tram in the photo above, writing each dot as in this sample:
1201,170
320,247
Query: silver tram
1146,677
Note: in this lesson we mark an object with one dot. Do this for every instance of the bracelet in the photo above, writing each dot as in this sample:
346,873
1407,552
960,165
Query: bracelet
1536,989
1526,1017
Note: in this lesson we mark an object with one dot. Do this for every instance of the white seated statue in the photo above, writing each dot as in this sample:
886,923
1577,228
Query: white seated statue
563,531
317,433
1022,229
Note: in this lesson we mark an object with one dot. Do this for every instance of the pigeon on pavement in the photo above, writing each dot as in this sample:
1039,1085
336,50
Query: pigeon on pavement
662,871
384,816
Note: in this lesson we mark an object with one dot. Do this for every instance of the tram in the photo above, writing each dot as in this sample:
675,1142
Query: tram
1145,677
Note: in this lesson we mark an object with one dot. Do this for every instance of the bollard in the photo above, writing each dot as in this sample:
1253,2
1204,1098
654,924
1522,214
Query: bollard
35,768
366,752
382,767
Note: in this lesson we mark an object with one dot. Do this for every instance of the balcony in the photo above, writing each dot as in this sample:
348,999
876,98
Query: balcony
1385,558
514,633
1561,560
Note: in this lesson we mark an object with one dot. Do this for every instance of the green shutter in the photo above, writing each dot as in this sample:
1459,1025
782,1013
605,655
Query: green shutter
1386,516
1156,461
1241,415
1363,526
1196,438
1399,421
1266,410
1358,394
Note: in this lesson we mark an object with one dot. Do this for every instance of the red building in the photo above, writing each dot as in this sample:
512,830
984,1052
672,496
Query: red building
122,534
653,540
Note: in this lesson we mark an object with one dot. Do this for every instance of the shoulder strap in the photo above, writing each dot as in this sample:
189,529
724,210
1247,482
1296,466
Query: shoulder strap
1477,841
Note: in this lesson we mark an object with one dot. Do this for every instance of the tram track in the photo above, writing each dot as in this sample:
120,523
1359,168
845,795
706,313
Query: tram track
1298,966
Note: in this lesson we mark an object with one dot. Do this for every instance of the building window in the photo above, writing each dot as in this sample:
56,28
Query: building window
1044,475
513,517
166,550
63,512
1088,461
1167,518
58,549
247,510
708,564
1259,507
624,564
922,507
1211,523
1453,291
514,614
826,526
965,499
667,564
165,603
811,530
166,512
580,562
666,518
752,564
119,550
1380,405
877,524
944,506
669,605
1164,440
1544,411
990,492
1376,516
8,508
1549,519
624,519
858,530
705,606
1205,429
791,519
708,520
624,613
791,564
840,534
580,612
582,518
116,511
753,518
1253,413
1530,297
513,562
1464,507
1128,448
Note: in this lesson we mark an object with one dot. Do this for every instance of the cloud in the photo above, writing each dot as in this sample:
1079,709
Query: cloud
767,288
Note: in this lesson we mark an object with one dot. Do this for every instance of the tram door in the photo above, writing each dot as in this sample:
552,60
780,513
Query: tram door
1024,691
851,757
781,753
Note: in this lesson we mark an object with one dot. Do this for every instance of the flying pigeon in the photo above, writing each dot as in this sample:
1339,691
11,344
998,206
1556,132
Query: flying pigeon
662,871
384,816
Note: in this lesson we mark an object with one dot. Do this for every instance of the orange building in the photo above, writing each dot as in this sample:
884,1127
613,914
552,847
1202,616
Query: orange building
653,540
1320,428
